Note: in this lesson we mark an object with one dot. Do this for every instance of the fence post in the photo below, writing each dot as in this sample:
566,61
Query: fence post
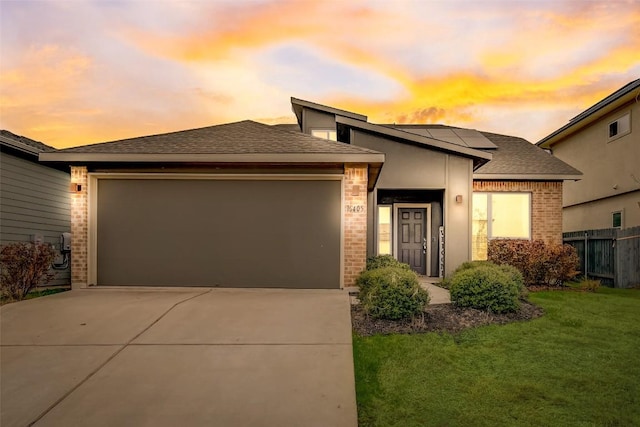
586,255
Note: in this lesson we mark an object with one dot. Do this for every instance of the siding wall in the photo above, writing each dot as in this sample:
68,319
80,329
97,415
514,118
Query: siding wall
34,200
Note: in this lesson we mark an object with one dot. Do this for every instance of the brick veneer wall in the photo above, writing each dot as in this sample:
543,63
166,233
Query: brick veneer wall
79,228
546,201
355,221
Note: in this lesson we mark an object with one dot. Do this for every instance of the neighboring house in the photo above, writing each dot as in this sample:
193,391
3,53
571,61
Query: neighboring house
251,205
34,197
604,143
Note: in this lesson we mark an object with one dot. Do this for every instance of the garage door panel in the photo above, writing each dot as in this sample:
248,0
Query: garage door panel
219,233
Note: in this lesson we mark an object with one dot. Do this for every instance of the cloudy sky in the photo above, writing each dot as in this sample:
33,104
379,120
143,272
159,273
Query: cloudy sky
75,72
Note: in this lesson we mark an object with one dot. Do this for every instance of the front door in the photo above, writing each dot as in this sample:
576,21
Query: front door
412,238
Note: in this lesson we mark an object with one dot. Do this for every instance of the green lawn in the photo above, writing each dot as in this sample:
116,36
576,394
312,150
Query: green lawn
578,365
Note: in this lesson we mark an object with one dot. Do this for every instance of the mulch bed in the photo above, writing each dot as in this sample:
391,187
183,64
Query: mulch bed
439,318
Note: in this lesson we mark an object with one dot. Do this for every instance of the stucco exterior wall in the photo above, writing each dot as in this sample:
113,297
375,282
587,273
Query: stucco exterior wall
546,205
405,166
611,171
313,119
598,214
457,216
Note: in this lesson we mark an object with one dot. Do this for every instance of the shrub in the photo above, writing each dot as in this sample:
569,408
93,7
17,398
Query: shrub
24,265
486,287
446,282
539,263
391,293
381,261
516,276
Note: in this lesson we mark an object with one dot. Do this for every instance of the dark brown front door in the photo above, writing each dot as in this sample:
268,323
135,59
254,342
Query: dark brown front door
412,238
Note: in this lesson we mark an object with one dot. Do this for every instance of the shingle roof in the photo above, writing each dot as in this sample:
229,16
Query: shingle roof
517,156
513,157
232,138
23,143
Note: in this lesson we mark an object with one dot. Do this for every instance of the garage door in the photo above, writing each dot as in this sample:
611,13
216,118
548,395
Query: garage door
228,233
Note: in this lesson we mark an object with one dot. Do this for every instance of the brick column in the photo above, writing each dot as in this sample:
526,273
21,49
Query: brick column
355,221
79,228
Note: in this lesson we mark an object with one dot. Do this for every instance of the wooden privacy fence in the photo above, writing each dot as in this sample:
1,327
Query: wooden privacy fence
610,255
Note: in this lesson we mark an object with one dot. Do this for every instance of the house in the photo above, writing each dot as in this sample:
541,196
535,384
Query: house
34,198
604,143
300,206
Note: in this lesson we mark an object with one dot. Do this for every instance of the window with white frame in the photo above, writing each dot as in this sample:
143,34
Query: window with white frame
620,127
499,216
329,134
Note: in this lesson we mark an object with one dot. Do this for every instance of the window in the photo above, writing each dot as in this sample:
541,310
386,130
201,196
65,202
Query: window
384,230
325,134
620,127
499,216
616,219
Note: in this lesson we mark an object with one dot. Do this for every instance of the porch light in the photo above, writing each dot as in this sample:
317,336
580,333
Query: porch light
459,198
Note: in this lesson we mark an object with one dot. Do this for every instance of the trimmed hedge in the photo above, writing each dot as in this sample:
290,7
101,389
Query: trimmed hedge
539,263
381,261
391,293
487,287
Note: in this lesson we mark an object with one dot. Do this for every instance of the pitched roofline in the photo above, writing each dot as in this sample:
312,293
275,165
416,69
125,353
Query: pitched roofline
16,144
593,113
80,157
436,144
298,104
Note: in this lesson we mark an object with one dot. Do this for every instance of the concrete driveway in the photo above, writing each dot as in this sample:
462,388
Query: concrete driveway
189,357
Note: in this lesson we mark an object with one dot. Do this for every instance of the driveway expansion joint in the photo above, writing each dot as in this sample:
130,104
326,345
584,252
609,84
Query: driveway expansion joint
110,358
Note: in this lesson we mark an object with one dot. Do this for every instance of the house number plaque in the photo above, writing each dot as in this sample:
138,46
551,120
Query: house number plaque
355,208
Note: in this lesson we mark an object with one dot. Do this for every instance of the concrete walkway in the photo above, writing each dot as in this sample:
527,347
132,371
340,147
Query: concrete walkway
190,357
438,295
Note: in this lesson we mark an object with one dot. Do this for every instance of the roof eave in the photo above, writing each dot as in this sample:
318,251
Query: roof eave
526,177
78,158
586,118
17,145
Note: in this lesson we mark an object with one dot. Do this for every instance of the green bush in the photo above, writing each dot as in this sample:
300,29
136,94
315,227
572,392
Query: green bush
446,282
539,263
486,287
515,275
391,293
23,266
381,261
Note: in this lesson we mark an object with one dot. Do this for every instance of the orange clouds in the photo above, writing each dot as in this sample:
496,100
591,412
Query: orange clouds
461,63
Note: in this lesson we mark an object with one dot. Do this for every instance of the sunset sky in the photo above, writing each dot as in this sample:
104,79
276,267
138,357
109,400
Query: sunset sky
77,72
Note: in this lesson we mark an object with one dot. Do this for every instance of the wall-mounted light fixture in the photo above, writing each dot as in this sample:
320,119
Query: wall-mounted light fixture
459,198
355,190
75,187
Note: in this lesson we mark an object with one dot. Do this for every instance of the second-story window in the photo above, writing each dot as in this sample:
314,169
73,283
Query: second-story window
325,134
619,127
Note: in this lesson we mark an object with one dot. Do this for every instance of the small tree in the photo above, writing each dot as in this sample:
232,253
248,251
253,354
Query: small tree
23,266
